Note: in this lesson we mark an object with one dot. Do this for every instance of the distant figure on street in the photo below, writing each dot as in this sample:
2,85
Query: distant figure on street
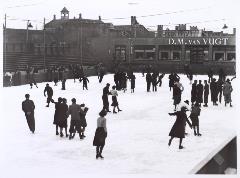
210,75
28,108
58,115
199,88
160,79
178,129
100,134
49,91
220,89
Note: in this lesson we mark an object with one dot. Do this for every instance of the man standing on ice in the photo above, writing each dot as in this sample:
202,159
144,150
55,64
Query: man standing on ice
28,108
206,93
49,91
105,98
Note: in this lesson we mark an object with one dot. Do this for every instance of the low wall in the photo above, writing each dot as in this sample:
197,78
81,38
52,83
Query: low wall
21,77
223,157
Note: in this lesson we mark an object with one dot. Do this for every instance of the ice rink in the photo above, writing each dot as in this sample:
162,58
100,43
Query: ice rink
137,141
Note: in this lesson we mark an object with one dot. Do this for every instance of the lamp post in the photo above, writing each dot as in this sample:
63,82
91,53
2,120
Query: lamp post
29,25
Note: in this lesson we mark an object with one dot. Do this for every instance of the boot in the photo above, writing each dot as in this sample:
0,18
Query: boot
119,110
114,112
57,133
61,134
199,134
101,156
97,156
70,136
169,142
181,147
231,105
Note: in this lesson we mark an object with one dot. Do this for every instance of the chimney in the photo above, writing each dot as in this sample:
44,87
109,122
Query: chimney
99,18
80,16
234,31
54,17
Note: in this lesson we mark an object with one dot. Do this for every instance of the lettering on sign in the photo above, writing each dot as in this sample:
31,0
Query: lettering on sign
200,41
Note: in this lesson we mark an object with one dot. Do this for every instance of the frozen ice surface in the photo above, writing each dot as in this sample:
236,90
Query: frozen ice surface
137,137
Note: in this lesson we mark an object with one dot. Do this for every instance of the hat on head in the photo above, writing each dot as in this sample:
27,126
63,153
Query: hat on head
27,96
186,101
103,113
108,84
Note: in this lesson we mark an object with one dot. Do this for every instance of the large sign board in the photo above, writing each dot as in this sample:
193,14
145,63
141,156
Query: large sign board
198,41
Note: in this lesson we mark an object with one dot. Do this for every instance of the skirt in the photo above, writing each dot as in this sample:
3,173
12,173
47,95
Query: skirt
100,136
114,101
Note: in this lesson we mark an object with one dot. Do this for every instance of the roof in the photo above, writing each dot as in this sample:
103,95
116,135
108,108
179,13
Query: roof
64,10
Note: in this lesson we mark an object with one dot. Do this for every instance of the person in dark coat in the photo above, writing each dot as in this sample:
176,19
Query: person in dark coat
75,124
58,115
206,93
210,75
227,90
63,115
124,82
199,88
154,81
194,92
117,80
132,78
101,74
220,89
195,113
171,80
63,84
114,99
28,108
214,91
32,80
190,76
178,128
100,134
221,74
148,80
105,98
83,122
85,81
160,79
49,91
177,92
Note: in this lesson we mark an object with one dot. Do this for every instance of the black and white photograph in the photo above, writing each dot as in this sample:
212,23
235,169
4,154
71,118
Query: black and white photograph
119,88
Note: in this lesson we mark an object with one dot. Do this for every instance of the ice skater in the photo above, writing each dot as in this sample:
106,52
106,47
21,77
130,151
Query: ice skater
160,79
85,82
63,84
62,120
132,78
114,99
205,93
194,118
178,128
227,90
75,124
83,123
214,91
148,80
199,93
58,116
100,134
105,97
28,108
177,92
49,91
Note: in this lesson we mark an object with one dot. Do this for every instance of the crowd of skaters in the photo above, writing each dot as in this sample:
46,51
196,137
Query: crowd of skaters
78,111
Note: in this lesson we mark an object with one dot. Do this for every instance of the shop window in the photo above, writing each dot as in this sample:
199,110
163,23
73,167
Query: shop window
176,55
164,55
231,56
120,52
219,56
205,53
187,55
150,54
139,54
144,52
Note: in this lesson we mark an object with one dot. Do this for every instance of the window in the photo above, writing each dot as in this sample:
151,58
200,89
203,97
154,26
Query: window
164,55
176,55
142,52
187,56
120,52
219,56
231,56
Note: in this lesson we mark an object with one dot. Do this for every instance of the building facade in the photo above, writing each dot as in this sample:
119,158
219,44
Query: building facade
67,41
